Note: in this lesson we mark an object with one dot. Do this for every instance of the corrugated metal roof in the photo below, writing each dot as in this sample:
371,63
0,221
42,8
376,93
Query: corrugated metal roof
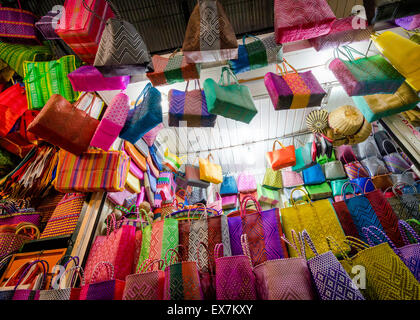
162,23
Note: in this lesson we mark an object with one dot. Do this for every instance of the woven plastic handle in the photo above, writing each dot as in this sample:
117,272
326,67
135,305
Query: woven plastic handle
356,243
368,232
245,202
404,227
281,145
292,200
109,267
331,240
208,256
245,248
344,187
218,251
307,240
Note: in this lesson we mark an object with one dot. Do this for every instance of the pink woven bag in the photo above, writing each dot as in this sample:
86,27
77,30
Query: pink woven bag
150,136
112,123
291,179
301,19
246,183
234,277
285,279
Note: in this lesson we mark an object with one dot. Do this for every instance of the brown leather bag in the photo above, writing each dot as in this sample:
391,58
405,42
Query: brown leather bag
135,155
64,125
218,42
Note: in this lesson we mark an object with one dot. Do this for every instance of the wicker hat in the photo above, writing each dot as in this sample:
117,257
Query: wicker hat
337,139
346,120
362,134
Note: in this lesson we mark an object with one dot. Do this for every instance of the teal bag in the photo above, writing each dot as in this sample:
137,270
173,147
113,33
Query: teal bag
337,185
300,163
232,101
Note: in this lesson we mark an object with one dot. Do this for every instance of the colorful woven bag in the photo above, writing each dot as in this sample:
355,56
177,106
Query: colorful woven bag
65,216
172,70
44,79
365,76
266,195
230,100
246,183
291,178
273,179
209,171
228,186
191,107
151,135
300,20
263,229
46,25
74,172
18,26
165,189
381,267
13,104
234,277
145,116
317,217
330,279
281,158
15,54
293,90
172,161
13,237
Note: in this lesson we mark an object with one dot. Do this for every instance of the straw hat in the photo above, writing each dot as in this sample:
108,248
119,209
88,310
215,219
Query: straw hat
346,120
362,135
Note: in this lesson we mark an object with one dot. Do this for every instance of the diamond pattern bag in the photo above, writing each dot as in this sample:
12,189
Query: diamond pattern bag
285,279
382,267
209,36
273,179
300,20
234,277
330,279
317,217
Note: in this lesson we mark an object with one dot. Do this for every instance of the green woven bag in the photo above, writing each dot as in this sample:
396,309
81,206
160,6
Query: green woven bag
232,101
273,179
319,191
43,79
16,54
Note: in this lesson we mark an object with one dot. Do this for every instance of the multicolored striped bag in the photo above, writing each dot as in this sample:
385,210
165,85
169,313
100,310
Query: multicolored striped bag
17,25
65,216
15,54
165,189
173,69
43,79
293,90
93,171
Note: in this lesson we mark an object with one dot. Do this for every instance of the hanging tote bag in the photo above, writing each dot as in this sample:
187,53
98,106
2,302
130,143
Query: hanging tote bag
228,186
64,219
382,266
256,54
107,289
117,247
269,196
18,26
121,51
263,229
317,217
354,169
209,36
393,161
145,284
112,122
282,158
13,104
44,79
285,279
229,99
301,20
46,25
137,157
109,168
182,279
82,24
246,183
150,136
273,179
64,125
209,171
234,277
374,166
403,55
378,106
145,116
192,174
291,178
313,175
172,70
365,76
330,279
293,90
342,33
88,78
334,170
367,149
189,106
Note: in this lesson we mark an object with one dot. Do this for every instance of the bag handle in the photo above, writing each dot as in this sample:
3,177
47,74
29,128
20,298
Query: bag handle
208,256
28,226
284,72
344,187
79,273
306,239
109,267
249,36
244,203
45,268
295,239
404,227
150,264
229,74
377,170
389,141
172,251
197,84
281,145
368,232
356,243
89,108
399,184
292,200
331,241
144,92
112,5
245,248
218,251
114,219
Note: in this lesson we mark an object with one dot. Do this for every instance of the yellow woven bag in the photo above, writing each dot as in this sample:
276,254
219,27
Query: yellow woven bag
319,220
133,183
209,171
403,54
387,277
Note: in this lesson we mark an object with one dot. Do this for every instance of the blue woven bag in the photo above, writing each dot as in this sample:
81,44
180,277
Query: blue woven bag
313,175
145,116
228,186
242,63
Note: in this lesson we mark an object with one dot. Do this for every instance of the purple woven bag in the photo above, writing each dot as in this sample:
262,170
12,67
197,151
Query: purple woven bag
234,277
18,217
409,254
88,78
331,280
409,23
285,279
45,25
